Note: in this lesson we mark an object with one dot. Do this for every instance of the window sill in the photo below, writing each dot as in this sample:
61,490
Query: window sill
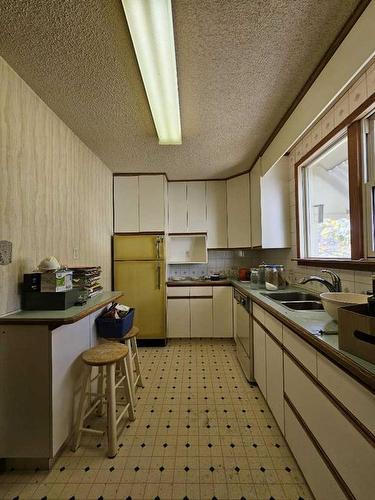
358,265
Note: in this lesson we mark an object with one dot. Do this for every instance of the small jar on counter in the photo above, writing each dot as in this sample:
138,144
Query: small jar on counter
254,278
275,277
262,276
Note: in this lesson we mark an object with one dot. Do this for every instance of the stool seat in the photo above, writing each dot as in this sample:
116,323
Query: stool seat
131,333
104,354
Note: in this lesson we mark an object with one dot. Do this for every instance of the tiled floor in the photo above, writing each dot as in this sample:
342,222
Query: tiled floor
201,432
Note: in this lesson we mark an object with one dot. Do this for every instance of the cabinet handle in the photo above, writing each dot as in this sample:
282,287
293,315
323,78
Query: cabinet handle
158,276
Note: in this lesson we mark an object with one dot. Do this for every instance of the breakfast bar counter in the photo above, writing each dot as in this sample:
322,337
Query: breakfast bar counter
63,317
40,373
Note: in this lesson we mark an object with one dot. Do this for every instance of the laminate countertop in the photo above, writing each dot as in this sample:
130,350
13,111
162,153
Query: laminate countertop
308,325
56,318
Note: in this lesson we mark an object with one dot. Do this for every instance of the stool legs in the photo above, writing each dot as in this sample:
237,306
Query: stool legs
81,407
128,389
130,367
117,376
134,351
100,409
111,410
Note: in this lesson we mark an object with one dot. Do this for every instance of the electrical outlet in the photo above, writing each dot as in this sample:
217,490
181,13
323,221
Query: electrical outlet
75,253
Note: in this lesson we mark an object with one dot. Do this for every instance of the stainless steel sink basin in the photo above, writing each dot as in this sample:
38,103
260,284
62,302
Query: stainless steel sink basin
291,296
304,305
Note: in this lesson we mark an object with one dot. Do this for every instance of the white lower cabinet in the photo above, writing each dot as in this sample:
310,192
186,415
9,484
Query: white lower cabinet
351,454
259,336
178,318
275,380
201,324
319,478
199,311
222,311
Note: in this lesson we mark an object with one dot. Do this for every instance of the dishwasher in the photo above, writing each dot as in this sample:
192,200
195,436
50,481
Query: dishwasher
244,338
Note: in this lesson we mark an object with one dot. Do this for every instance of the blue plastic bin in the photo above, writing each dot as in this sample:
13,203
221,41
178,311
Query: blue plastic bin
111,328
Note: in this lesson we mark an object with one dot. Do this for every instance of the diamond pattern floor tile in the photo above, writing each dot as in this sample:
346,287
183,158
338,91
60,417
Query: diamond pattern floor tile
201,432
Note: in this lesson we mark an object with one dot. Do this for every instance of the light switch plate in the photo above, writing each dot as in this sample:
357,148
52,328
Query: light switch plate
5,252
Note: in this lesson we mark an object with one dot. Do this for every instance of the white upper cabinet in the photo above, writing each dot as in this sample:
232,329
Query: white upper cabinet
255,206
196,207
187,207
139,203
177,207
126,207
151,203
238,207
275,206
216,193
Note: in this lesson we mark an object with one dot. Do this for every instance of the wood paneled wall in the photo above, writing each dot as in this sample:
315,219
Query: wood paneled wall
55,194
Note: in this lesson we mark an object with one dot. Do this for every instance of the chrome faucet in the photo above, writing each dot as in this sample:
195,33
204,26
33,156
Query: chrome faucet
333,286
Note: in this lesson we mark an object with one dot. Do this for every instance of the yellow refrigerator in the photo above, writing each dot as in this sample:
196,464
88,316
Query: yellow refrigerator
139,272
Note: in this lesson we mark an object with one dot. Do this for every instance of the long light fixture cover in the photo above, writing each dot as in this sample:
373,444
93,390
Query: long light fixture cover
151,28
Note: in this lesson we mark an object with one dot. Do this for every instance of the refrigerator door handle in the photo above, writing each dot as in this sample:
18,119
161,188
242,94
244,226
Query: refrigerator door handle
157,247
158,276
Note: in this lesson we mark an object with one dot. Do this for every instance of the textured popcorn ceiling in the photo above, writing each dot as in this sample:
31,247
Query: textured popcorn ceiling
240,64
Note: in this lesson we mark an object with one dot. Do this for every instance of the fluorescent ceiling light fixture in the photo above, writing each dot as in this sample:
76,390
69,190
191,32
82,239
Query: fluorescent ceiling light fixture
151,28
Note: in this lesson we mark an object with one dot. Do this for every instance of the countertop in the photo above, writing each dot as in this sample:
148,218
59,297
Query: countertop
307,324
56,318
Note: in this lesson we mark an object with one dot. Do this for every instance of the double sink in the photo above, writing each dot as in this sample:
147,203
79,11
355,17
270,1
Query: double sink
297,301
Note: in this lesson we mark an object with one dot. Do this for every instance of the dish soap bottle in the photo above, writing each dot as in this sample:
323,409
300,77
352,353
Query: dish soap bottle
371,300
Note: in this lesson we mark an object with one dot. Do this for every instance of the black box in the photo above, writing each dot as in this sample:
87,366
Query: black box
31,282
49,301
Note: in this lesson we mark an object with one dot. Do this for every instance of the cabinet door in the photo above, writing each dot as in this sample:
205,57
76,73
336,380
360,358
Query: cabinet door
151,203
350,452
126,208
234,323
238,206
222,311
178,318
317,474
256,228
196,207
201,324
217,214
177,207
259,338
275,380
275,206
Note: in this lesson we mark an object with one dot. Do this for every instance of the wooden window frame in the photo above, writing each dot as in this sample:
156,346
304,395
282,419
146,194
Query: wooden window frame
352,126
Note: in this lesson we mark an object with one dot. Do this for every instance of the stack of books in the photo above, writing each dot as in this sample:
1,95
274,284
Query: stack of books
87,279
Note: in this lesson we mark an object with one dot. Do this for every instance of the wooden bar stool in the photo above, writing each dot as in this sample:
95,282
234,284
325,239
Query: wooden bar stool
134,367
112,357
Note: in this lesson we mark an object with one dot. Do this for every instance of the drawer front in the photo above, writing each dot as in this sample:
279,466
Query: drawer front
300,349
178,291
318,476
258,313
351,454
201,291
359,401
273,325
275,380
259,339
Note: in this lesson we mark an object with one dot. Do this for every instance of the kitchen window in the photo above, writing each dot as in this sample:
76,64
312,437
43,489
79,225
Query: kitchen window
325,201
331,183
369,173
